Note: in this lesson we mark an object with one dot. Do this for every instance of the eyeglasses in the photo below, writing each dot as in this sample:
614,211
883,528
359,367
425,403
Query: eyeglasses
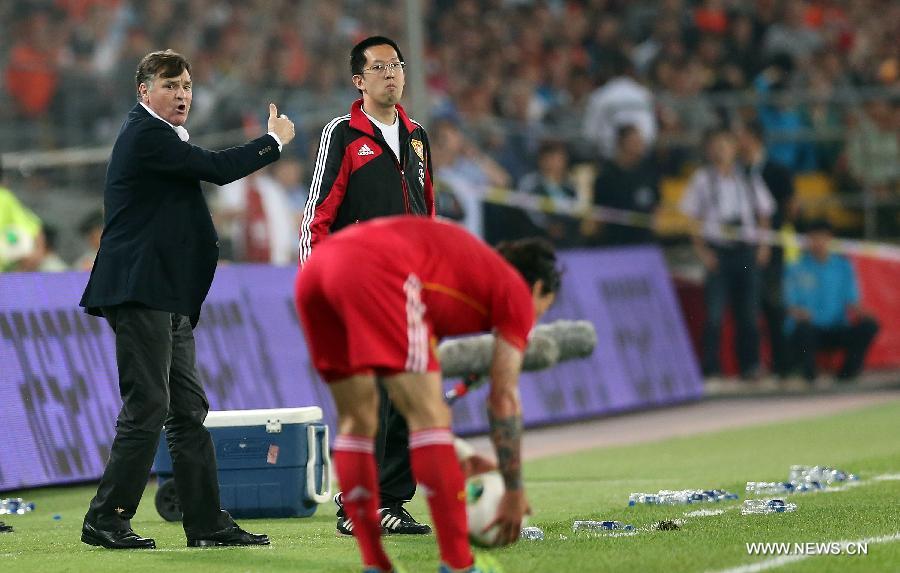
383,68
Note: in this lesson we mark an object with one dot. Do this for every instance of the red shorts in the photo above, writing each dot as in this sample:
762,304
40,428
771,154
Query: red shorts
361,317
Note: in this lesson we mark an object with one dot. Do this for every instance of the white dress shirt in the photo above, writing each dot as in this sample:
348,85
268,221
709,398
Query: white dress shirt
717,199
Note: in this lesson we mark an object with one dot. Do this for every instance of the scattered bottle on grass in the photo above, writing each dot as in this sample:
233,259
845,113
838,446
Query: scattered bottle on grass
770,487
782,487
644,498
680,497
15,506
821,474
591,525
532,534
766,506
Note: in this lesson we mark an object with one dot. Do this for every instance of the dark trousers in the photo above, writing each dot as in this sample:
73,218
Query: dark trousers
395,477
159,384
773,309
853,339
735,281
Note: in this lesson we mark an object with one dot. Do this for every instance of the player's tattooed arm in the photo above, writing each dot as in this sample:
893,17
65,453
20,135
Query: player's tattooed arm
506,434
505,412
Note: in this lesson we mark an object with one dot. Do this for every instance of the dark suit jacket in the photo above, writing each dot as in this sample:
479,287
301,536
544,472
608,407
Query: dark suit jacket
159,247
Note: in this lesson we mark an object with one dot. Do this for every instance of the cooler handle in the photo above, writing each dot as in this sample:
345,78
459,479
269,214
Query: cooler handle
312,493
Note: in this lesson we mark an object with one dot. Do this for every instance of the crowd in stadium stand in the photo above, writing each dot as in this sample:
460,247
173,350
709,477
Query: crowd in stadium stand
506,78
493,65
524,95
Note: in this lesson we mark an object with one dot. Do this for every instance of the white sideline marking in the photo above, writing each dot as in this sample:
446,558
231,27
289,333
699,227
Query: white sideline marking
787,559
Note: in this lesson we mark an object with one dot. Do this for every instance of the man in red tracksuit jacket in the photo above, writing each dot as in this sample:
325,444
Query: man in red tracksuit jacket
373,162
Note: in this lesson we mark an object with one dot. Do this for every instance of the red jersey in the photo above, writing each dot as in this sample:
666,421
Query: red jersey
377,294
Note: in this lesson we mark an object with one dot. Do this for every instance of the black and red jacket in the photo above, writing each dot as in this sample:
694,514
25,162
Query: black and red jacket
357,177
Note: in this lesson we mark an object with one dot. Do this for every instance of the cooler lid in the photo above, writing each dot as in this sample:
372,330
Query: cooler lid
231,418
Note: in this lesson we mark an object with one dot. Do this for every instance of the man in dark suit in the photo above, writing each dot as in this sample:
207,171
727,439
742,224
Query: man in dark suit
780,181
629,181
154,268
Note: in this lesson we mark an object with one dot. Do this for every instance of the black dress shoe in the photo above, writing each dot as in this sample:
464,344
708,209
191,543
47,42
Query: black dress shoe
233,535
120,539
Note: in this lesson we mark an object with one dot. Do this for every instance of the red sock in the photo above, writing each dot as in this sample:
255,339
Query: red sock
437,471
355,461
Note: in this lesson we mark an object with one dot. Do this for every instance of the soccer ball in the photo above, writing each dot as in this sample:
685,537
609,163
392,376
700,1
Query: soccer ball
483,493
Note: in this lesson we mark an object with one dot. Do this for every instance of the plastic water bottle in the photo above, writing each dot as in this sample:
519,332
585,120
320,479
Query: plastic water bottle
643,498
674,497
532,534
822,474
719,495
680,497
784,487
770,487
799,472
15,506
766,506
695,496
804,486
590,525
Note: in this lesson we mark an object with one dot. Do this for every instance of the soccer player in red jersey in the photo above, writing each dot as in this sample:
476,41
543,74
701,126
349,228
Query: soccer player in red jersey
378,296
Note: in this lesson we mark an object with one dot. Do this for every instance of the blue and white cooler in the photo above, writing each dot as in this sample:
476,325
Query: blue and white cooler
272,463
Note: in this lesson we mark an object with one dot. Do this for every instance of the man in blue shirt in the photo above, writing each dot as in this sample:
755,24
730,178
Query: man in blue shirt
823,306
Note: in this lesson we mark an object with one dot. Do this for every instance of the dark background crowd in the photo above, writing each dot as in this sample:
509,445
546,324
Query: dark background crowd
604,103
505,80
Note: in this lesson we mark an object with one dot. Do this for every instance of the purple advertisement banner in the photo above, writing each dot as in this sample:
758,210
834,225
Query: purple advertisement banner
643,357
59,383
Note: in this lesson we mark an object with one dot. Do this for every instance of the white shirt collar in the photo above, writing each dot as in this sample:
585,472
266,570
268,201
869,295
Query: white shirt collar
182,133
385,125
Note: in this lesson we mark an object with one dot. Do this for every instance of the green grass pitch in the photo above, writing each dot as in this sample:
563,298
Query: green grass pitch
589,485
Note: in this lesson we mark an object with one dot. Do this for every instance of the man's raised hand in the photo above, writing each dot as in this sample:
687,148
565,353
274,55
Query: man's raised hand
280,125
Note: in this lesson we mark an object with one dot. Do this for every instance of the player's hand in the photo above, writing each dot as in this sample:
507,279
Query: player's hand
280,125
513,507
476,464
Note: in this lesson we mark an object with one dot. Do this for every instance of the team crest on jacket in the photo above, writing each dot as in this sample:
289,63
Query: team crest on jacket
419,148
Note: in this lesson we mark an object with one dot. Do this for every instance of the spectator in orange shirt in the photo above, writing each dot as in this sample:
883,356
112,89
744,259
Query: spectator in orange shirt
31,75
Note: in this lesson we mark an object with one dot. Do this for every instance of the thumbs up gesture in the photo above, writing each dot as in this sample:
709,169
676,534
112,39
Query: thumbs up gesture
280,125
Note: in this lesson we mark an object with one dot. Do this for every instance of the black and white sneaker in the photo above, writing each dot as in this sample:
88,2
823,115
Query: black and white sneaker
396,520
345,526
344,523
